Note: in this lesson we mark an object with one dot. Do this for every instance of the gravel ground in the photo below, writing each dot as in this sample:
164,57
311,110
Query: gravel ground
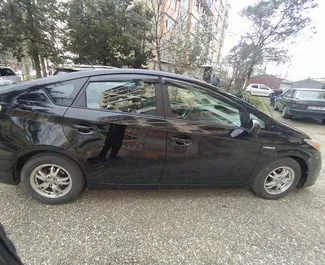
171,226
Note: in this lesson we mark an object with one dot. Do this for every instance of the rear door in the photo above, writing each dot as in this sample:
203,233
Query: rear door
254,90
206,142
116,126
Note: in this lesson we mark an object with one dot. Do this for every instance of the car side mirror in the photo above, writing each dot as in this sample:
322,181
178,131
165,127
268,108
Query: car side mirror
237,132
255,127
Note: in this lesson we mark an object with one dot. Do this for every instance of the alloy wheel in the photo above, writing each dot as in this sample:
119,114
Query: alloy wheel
51,181
279,180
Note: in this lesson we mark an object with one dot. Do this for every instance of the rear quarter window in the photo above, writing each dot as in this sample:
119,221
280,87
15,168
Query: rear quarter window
63,93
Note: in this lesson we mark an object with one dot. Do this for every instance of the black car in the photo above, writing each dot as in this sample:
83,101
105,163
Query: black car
144,128
80,67
302,103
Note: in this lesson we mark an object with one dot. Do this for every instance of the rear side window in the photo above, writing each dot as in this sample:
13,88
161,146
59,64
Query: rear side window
6,72
137,96
254,86
63,93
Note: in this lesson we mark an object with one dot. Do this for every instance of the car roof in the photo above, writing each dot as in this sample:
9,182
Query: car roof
99,72
308,89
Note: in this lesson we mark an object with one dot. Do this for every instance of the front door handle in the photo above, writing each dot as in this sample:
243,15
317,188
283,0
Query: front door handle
181,141
83,129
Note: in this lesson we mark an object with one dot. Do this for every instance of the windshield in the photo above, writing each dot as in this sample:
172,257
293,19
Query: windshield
310,95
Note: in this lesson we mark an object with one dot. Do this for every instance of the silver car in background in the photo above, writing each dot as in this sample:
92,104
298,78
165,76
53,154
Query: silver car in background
7,76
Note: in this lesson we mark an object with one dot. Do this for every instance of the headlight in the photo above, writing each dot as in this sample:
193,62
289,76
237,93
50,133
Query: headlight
313,143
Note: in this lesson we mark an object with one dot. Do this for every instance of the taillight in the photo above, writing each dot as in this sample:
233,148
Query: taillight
299,106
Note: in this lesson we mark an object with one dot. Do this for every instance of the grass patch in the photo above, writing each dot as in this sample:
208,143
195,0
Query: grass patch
257,103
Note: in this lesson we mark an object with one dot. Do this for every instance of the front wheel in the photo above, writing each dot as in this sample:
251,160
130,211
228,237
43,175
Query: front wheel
277,179
52,179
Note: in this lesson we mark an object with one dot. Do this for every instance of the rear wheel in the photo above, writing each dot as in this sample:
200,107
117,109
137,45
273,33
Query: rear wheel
285,115
249,93
52,179
277,179
323,121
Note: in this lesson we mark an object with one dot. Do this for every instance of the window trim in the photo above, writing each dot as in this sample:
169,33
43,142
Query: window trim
170,116
81,99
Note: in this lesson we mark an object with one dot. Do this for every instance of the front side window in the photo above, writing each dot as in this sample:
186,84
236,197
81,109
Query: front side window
193,104
264,87
289,94
135,96
261,122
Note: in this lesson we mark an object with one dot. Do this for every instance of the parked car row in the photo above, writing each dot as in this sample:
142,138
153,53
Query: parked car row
122,127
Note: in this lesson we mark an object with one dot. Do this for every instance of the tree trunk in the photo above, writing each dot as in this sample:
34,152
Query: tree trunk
35,57
43,67
158,57
25,70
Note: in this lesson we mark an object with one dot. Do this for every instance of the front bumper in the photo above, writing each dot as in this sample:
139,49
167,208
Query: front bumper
306,113
314,164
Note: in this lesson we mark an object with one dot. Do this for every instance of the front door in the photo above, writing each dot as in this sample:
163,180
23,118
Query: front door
285,99
115,126
206,142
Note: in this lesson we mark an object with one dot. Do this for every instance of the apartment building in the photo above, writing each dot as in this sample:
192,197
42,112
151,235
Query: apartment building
172,11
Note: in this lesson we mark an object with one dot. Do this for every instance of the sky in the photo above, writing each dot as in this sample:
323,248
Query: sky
308,53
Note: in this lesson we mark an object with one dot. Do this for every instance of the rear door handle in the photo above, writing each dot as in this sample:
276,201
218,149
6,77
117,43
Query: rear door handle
181,141
84,129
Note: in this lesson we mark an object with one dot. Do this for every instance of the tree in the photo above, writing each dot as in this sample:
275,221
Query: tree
29,27
273,24
239,59
105,32
186,50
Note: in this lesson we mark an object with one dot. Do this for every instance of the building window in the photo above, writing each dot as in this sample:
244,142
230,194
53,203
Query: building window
171,4
197,5
169,23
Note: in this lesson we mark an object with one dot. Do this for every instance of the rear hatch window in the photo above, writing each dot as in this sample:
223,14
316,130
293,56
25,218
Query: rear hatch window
310,95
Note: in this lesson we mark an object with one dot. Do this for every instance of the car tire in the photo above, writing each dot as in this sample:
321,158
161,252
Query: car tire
249,93
323,121
262,184
284,113
52,178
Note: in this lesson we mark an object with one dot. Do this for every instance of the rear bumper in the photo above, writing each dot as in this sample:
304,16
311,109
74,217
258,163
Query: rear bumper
306,113
314,164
